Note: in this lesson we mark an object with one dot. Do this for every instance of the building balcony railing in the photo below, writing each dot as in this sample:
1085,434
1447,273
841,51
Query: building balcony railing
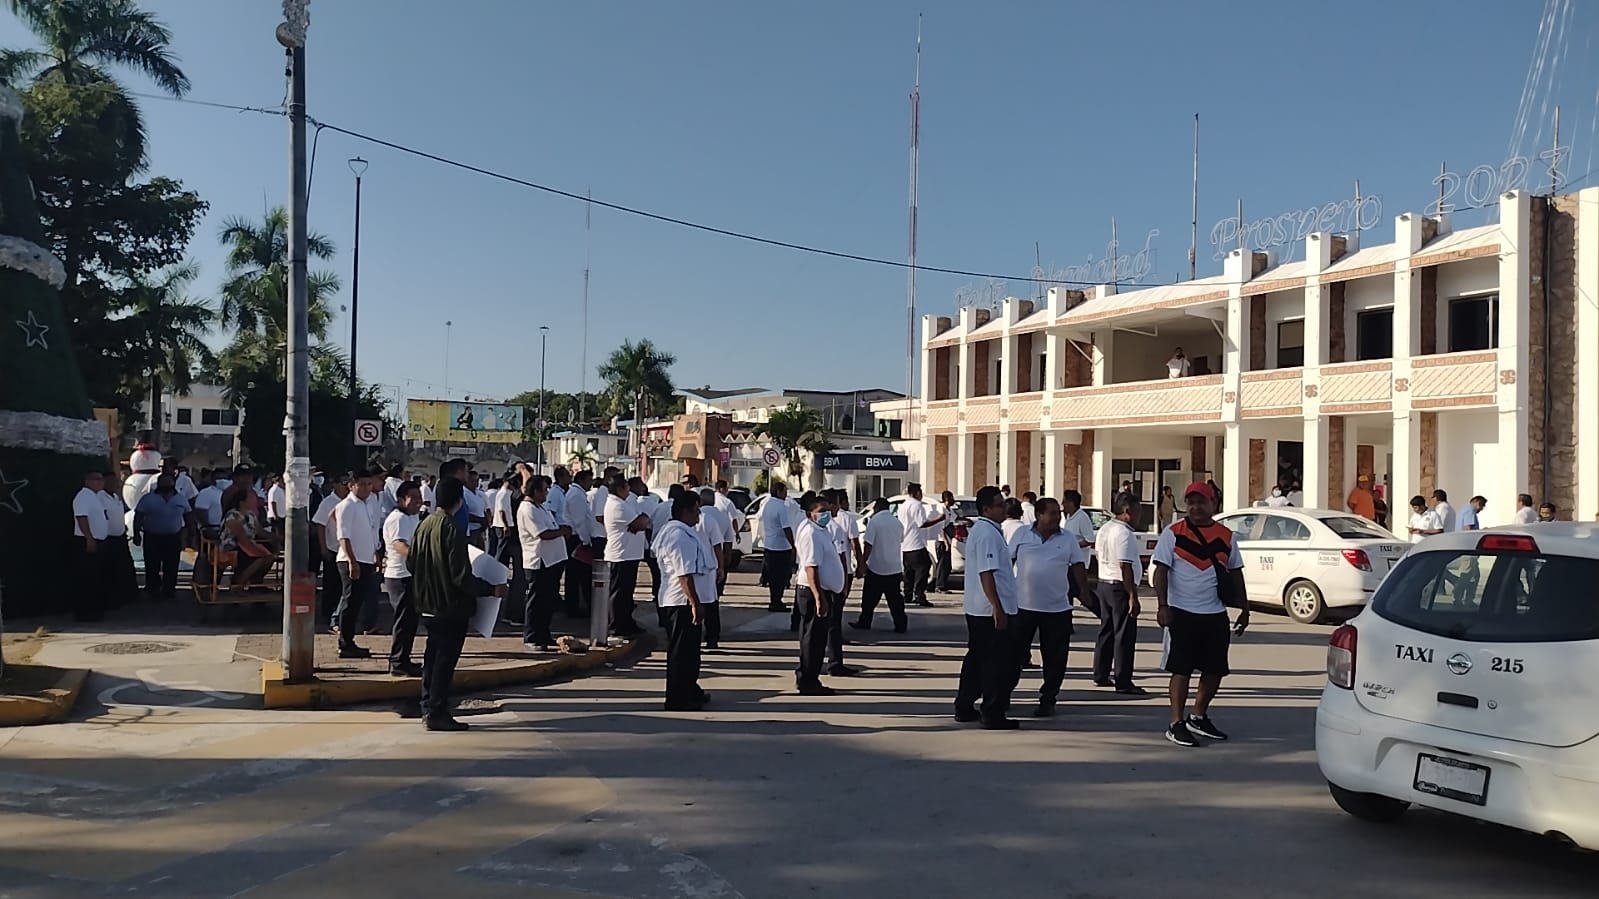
1141,402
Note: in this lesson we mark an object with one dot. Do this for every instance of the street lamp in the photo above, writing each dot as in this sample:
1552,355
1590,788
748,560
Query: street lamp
544,339
358,168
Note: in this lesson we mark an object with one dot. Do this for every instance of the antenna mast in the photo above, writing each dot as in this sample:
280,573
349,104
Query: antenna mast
910,287
588,245
1193,223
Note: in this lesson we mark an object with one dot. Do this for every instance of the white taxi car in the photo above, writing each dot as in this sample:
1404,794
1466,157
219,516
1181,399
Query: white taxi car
1467,685
1311,560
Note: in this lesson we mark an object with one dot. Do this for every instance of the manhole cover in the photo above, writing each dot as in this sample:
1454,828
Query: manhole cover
136,648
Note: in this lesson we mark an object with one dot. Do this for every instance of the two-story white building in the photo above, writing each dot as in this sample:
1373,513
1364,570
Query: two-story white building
1465,359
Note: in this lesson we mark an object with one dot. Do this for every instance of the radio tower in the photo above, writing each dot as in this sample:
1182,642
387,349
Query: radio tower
910,286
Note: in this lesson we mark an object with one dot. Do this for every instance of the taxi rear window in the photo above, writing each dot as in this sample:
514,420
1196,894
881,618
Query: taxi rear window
1493,597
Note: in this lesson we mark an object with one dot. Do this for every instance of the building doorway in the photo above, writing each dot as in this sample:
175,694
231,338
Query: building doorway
1290,471
1147,477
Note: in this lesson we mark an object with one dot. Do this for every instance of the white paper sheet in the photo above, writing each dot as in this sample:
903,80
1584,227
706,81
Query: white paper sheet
486,616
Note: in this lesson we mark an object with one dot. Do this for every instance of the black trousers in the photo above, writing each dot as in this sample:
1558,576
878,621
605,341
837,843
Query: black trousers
89,574
812,638
655,581
711,624
122,582
1118,636
877,587
779,574
991,667
1054,633
835,627
918,565
682,655
446,636
359,595
403,635
579,580
332,590
543,595
161,553
624,582
941,568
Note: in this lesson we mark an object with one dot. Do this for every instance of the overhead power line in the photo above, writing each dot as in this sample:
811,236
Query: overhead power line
619,207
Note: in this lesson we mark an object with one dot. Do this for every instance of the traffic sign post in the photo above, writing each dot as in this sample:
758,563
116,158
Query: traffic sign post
368,432
771,457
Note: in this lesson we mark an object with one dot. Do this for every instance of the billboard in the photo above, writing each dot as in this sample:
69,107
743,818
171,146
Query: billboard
463,422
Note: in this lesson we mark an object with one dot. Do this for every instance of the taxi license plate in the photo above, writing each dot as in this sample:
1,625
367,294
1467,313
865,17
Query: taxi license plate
1452,779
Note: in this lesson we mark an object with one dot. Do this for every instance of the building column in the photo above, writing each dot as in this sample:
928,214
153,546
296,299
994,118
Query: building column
1054,463
1101,483
1237,449
1586,483
1406,476
965,458
1316,478
1006,472
1516,264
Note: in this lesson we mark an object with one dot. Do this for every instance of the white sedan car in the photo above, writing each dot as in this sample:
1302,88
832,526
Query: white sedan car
1311,560
1471,685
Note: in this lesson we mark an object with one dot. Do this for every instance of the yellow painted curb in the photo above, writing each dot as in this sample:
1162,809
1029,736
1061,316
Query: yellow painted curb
53,705
276,693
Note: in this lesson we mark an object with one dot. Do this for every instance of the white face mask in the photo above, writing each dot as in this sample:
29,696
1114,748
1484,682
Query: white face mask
317,480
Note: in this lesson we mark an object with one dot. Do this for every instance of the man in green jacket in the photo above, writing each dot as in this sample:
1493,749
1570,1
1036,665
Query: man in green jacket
445,593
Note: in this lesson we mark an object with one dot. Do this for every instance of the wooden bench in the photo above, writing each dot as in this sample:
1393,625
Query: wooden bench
215,568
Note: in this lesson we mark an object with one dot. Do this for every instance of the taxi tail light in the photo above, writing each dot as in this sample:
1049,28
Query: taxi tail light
1341,657
1358,558
1507,543
960,532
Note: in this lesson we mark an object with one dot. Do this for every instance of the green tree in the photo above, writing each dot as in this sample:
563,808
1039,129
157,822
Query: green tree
170,328
82,41
795,427
560,412
255,301
637,377
583,457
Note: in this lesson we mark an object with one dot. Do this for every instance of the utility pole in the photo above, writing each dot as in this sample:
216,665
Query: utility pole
910,286
358,166
544,339
299,601
1193,222
583,363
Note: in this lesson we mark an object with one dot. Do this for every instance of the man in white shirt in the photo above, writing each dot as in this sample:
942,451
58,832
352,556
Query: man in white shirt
358,523
208,503
1029,509
580,546
882,568
543,545
689,568
599,496
185,484
1045,560
717,528
625,543
821,571
1178,365
777,545
391,487
90,525
477,510
1526,512
122,583
1424,522
327,540
398,529
992,664
1444,511
429,492
847,559
1120,569
1078,525
494,529
730,508
915,519
941,541
1198,573
277,505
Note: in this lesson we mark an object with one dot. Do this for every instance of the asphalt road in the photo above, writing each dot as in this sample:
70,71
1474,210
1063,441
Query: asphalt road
588,788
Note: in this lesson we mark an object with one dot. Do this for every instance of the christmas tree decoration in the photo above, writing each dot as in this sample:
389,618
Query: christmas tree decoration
48,434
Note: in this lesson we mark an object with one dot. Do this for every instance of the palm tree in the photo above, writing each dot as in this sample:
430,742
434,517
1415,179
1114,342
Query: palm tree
255,298
796,427
82,41
583,457
171,329
638,371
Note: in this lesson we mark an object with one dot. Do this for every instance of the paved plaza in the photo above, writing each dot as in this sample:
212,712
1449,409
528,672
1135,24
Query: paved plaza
589,789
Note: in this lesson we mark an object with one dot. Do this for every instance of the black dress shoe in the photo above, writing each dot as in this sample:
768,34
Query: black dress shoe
859,626
843,671
406,669
900,629
922,603
445,724
1001,724
354,652
777,608
817,690
966,716
1104,683
1046,708
1132,690
1030,664
409,708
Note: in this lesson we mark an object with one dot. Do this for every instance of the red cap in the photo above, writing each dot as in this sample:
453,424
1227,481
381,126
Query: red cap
1202,488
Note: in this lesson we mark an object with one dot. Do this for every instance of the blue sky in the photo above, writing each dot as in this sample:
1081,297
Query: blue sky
1040,122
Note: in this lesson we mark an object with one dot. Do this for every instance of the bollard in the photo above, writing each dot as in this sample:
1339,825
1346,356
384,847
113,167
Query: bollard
600,604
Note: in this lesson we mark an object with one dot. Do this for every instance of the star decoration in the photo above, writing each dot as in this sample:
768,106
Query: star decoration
33,332
8,493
